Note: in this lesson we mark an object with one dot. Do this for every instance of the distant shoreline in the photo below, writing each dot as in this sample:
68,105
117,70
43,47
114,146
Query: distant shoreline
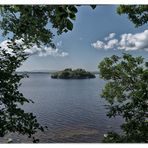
32,72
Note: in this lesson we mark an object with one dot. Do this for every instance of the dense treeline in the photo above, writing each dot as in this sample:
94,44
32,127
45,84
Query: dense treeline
73,74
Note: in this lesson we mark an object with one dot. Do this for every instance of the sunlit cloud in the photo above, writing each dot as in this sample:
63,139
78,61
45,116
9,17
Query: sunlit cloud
127,42
110,36
39,51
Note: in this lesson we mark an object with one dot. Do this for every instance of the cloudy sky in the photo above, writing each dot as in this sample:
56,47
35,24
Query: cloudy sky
97,33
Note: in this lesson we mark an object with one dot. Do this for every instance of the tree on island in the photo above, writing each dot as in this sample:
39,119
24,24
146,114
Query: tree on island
73,74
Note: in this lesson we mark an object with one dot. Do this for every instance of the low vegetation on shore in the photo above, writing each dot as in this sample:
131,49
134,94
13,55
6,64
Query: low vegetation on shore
73,74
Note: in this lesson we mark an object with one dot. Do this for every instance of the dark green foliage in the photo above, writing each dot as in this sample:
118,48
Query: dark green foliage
138,14
31,22
72,74
35,24
112,138
12,117
127,95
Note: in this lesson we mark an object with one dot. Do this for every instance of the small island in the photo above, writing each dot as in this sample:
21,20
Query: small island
73,74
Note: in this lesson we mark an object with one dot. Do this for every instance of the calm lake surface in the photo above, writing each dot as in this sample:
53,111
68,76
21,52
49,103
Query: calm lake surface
72,109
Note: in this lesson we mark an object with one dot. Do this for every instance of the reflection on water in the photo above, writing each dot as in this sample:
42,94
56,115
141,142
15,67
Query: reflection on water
72,109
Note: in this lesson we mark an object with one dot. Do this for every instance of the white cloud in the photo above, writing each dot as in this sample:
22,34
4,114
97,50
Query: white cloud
134,41
4,46
111,44
101,45
46,51
98,44
127,41
110,36
34,50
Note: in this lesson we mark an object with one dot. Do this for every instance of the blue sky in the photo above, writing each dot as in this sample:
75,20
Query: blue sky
76,48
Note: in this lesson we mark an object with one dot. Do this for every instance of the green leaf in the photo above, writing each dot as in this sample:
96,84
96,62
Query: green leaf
72,16
69,25
146,64
73,9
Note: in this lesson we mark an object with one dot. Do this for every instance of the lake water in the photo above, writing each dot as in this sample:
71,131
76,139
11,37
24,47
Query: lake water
72,109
